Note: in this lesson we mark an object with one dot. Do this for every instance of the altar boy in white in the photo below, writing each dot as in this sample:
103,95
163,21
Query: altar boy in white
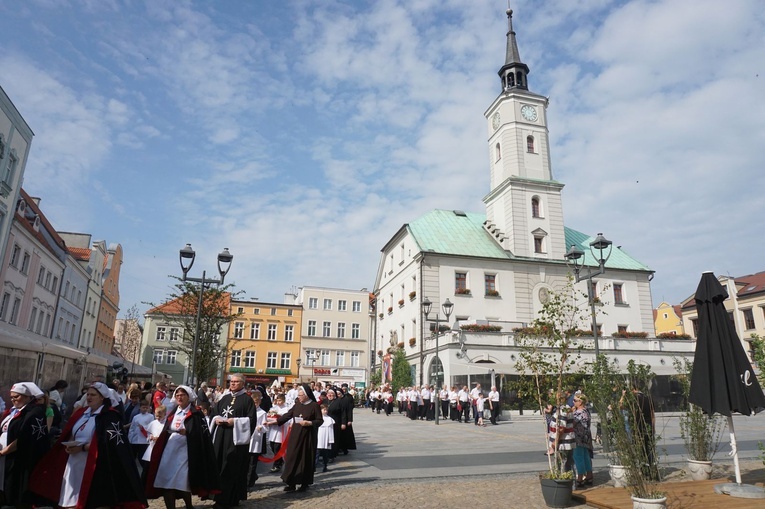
326,436
257,441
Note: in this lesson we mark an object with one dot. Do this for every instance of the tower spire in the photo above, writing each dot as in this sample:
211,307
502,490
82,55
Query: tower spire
514,73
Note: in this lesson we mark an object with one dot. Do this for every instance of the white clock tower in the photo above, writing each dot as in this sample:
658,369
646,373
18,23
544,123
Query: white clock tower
523,210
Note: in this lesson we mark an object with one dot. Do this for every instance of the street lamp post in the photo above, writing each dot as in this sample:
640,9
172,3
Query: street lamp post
187,257
575,256
298,361
447,309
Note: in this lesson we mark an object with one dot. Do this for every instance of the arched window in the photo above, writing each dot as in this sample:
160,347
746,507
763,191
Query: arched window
510,80
535,207
519,78
498,151
530,144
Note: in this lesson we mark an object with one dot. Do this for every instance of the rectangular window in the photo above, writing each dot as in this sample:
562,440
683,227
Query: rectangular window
357,306
490,283
159,356
273,311
327,304
289,312
311,356
15,255
460,281
41,276
249,359
340,358
539,245
60,327
340,329
271,360
256,311
285,360
622,328
327,329
311,327
324,358
239,311
32,318
172,355
54,286
289,333
238,330
25,263
618,295
313,303
355,331
272,331
236,358
341,305
174,334
48,276
160,334
4,305
40,319
748,319
355,357
254,331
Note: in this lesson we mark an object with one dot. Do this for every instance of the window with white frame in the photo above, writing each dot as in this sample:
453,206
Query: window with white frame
313,303
327,304
161,333
272,331
172,355
289,312
236,358
619,293
32,318
159,356
355,356
356,306
340,329
254,330
289,333
340,358
271,360
249,359
273,311
311,327
238,330
327,329
15,255
284,362
342,305
310,357
355,331
324,358
6,302
174,333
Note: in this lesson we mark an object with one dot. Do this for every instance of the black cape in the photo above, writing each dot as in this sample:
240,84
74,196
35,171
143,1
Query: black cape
29,429
232,460
300,457
203,473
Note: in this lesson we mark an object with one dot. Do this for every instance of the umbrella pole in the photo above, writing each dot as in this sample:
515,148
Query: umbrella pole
734,449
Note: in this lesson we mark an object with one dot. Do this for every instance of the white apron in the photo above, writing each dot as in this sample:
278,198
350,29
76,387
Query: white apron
82,433
173,471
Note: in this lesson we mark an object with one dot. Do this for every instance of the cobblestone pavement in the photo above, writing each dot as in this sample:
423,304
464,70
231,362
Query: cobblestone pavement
415,463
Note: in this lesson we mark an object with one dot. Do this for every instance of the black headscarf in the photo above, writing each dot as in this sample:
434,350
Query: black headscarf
309,392
265,402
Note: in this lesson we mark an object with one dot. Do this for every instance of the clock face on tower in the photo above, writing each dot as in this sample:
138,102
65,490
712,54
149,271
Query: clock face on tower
495,120
529,112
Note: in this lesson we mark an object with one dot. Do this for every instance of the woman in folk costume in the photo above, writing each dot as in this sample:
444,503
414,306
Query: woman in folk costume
301,444
183,461
23,441
257,440
80,469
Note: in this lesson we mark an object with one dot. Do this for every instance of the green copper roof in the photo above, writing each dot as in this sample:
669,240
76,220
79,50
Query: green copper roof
462,234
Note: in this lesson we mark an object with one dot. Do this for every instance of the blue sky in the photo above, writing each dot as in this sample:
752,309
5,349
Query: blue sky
302,135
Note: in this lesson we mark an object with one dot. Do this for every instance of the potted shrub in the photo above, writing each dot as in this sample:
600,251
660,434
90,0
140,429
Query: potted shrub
547,360
381,315
400,344
701,433
492,293
390,309
462,291
412,341
401,302
635,443
412,295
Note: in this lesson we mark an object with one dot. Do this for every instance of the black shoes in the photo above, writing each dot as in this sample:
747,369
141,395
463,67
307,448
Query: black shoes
289,487
303,488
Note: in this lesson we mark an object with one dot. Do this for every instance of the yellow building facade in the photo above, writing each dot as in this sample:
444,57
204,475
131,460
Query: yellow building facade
668,319
263,342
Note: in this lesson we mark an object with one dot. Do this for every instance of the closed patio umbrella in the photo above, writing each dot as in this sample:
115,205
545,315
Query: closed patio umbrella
723,380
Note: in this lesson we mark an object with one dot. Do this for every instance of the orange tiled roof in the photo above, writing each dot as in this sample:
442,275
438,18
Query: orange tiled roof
174,307
80,253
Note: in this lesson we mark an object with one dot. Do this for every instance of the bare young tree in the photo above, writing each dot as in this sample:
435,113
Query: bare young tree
181,309
130,334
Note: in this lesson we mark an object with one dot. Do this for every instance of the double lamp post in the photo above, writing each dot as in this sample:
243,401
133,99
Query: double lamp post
575,256
447,309
187,257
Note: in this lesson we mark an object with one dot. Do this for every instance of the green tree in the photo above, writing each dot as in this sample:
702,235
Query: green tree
758,356
181,309
401,372
375,377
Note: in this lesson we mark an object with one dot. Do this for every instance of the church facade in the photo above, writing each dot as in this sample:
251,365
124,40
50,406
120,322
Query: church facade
498,267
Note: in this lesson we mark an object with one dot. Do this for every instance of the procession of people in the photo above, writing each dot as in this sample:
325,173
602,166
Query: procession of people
168,442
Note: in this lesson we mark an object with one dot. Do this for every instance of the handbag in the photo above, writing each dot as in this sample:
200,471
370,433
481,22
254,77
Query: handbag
459,407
